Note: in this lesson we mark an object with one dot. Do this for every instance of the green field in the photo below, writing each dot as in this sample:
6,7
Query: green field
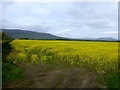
98,57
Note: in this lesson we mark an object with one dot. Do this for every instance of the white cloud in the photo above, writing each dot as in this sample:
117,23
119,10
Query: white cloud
26,20
64,32
41,11
111,32
60,0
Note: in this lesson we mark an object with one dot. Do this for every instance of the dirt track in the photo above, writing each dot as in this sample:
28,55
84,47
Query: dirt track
37,76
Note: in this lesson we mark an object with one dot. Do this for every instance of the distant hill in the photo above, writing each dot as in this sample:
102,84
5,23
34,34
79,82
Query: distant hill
16,33
108,39
24,34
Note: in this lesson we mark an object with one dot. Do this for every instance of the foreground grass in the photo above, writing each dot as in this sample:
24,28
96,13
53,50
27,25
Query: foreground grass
10,71
100,57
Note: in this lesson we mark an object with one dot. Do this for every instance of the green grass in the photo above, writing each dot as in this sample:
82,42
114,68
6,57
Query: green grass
10,72
100,57
112,79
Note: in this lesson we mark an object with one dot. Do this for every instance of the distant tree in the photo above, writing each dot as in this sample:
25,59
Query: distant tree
24,38
63,39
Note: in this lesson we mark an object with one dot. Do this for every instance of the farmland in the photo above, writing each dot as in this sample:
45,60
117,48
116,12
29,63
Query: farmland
98,57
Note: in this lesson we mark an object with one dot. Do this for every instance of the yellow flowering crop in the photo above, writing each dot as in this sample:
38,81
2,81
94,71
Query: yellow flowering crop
99,56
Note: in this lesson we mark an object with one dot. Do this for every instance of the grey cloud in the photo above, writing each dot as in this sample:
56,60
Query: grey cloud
7,24
101,24
94,23
93,10
39,28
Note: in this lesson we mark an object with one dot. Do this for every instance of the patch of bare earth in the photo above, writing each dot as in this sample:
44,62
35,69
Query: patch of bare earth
41,76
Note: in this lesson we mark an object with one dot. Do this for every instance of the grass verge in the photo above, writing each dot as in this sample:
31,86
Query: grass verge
10,71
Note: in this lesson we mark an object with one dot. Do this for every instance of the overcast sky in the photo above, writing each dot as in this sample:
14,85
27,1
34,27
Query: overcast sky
68,19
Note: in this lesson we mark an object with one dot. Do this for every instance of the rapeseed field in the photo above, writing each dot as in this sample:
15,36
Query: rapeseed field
101,57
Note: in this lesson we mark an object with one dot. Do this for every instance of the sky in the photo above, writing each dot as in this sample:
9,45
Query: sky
66,19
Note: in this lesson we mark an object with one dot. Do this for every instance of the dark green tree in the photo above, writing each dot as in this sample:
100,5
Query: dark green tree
4,36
